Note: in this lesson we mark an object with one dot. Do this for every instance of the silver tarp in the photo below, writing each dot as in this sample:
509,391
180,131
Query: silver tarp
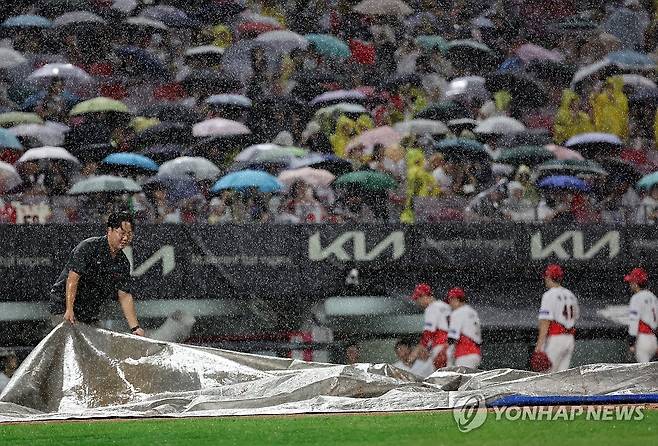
83,372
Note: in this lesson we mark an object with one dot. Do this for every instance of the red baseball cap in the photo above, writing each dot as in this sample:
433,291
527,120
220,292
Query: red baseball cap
637,275
554,272
456,293
422,289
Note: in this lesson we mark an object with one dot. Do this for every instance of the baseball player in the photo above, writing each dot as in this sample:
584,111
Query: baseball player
429,354
464,334
557,317
642,320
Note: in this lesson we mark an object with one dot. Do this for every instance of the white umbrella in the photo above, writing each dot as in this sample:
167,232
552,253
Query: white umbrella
125,6
194,166
104,184
10,58
283,40
219,127
589,70
205,49
338,96
47,153
45,134
145,22
252,151
9,178
500,125
383,7
229,99
469,87
314,177
60,70
342,107
421,127
593,138
78,17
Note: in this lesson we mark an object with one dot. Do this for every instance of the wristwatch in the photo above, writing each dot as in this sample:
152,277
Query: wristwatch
135,328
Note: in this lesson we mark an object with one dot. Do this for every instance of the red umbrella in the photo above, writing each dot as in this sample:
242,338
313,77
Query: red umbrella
256,28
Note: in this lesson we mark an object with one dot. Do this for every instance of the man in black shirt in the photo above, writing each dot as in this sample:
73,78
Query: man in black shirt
96,273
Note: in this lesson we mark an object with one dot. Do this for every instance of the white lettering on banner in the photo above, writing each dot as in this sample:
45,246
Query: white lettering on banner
166,254
556,248
358,238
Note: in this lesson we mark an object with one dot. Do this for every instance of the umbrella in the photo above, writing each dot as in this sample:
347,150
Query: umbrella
172,112
570,167
332,163
247,179
104,184
344,108
251,29
283,40
528,155
594,142
648,181
444,111
170,16
564,182
99,105
60,71
179,187
619,171
529,52
232,100
163,152
48,153
45,134
10,58
459,125
314,177
468,88
11,119
328,45
524,90
27,21
9,178
470,55
463,148
219,127
139,62
249,153
279,155
337,96
195,166
54,8
131,160
421,127
204,50
631,60
8,140
369,180
164,133
145,22
386,136
499,125
562,153
432,43
383,7
211,82
78,18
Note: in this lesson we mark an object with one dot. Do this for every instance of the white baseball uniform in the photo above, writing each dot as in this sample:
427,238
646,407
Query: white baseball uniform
435,336
642,323
465,330
560,307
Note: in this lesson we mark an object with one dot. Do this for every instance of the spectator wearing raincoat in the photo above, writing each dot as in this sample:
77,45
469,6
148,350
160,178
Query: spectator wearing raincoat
610,108
344,132
570,119
420,183
364,123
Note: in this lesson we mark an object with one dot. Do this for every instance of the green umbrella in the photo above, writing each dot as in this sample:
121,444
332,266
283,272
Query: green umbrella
280,154
104,184
328,45
12,119
528,155
432,42
367,180
570,167
648,181
463,148
99,105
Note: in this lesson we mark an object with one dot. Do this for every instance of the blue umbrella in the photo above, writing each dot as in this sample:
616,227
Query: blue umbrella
629,59
141,62
246,179
648,181
9,140
33,101
134,160
27,21
564,182
178,188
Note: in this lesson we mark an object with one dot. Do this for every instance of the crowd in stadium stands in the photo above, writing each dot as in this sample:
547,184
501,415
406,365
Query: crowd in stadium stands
310,111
